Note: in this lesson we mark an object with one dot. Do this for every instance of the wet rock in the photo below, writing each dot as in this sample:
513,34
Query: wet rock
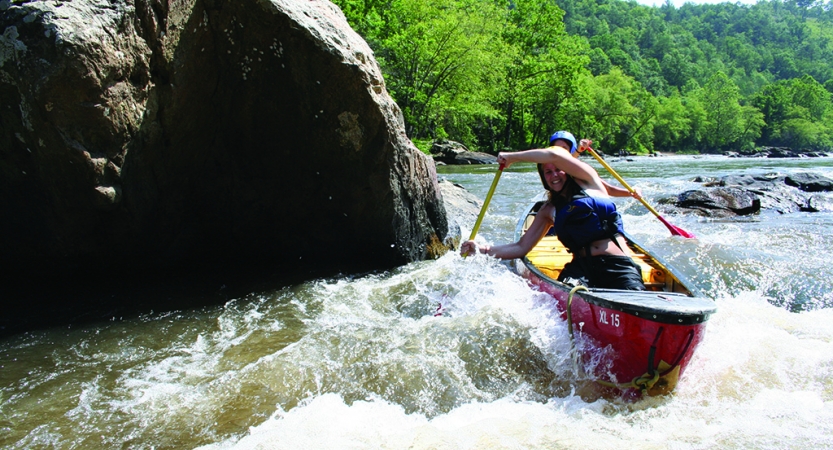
820,203
462,208
748,194
774,152
809,182
180,136
779,152
720,202
455,153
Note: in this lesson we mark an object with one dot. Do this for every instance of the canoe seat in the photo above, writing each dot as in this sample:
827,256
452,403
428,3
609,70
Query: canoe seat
652,277
550,256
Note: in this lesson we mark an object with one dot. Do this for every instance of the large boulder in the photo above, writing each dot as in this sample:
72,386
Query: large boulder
193,134
779,152
809,182
770,189
819,203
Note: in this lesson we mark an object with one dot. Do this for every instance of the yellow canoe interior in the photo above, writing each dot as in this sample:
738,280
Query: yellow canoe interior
550,256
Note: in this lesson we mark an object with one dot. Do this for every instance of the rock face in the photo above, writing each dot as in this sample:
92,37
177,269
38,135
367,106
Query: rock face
462,208
178,134
720,202
809,182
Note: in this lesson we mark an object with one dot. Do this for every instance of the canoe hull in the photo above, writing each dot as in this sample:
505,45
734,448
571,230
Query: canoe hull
620,350
635,342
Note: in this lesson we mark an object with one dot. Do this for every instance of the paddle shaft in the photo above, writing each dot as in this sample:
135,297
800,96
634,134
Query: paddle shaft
620,179
486,203
674,229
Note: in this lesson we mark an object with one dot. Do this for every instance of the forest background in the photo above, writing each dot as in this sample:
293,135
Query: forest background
505,74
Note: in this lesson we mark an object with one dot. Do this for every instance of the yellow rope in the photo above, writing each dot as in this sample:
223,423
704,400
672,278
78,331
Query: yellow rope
643,383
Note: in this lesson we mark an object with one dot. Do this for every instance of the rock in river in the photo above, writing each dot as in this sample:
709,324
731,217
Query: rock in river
739,195
179,136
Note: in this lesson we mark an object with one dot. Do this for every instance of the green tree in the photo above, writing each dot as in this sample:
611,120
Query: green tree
496,74
807,125
809,94
672,125
444,59
723,113
619,112
676,67
541,76
773,101
599,62
697,115
798,113
752,122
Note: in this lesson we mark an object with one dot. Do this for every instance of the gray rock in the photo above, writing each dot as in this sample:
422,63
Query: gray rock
779,152
447,149
820,203
455,153
748,194
172,135
720,202
462,208
809,182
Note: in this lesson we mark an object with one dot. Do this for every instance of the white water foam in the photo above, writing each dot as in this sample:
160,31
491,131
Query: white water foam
762,378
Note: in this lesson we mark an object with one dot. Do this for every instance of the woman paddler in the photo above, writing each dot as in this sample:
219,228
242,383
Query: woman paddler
580,212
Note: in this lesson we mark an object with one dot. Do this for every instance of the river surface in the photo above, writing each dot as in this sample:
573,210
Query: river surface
363,362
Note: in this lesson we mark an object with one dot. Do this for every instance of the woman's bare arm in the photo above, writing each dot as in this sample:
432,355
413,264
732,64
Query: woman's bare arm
582,172
539,227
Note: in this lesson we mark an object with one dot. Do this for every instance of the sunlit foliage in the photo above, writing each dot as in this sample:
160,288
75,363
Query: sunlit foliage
504,74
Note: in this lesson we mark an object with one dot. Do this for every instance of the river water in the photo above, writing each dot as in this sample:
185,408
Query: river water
363,362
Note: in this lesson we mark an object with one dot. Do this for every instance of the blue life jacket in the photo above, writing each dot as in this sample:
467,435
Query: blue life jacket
586,219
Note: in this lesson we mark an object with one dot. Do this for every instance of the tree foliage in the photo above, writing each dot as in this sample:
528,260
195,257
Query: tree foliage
751,61
488,73
498,74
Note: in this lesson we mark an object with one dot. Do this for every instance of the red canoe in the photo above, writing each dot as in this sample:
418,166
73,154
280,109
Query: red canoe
636,343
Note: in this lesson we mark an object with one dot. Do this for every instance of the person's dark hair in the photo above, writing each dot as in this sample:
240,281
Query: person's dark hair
570,189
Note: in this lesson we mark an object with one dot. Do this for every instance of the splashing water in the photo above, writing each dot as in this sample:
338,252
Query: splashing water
364,362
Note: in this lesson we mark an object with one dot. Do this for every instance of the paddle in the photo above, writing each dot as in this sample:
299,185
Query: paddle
486,203
676,231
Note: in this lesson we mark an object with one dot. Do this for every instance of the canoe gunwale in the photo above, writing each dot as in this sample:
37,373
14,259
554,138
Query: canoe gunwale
698,310
595,297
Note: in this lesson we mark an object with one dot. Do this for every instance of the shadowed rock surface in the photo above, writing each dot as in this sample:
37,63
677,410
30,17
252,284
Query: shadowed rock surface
720,202
809,182
199,137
